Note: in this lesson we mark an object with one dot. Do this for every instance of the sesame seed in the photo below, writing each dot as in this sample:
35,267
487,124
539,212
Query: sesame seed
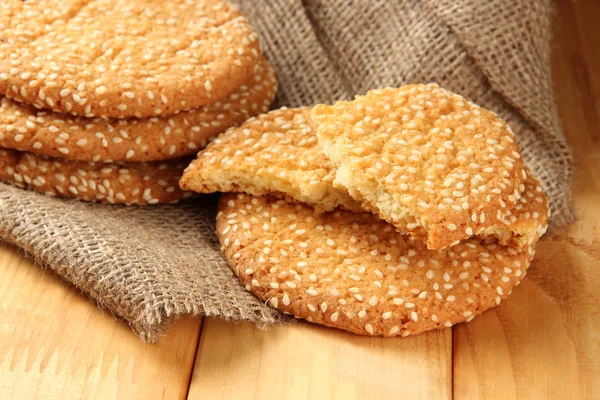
373,301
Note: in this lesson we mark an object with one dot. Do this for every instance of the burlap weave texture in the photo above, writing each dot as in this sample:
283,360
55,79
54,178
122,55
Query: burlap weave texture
151,265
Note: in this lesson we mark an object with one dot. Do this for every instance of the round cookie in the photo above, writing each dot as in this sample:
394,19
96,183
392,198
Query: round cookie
425,160
122,183
124,58
353,271
275,153
25,128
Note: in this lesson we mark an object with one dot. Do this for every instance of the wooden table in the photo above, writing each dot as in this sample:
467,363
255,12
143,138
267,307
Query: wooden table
543,342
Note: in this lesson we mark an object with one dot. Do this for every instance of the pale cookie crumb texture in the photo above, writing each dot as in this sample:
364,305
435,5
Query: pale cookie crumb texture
23,127
425,160
123,183
353,271
274,153
123,58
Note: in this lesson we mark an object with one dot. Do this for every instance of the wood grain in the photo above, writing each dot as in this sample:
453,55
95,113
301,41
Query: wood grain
307,361
55,344
544,342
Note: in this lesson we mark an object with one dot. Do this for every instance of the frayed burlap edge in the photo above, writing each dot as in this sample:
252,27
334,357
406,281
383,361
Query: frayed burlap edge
163,263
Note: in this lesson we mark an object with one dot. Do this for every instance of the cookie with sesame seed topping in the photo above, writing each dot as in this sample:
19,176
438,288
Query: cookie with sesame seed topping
275,153
124,58
25,128
424,159
355,272
118,183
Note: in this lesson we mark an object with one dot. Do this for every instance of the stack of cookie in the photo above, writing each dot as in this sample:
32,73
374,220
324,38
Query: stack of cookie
104,100
402,211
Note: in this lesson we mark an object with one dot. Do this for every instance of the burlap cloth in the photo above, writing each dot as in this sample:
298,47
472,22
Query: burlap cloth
151,265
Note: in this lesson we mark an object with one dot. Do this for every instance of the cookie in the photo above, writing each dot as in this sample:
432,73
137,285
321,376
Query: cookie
353,271
25,128
122,183
424,159
124,58
276,153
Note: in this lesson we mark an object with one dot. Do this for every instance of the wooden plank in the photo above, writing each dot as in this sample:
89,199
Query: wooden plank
543,342
55,344
307,361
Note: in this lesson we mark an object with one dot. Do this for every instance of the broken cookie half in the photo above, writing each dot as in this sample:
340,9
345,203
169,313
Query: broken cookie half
431,163
276,153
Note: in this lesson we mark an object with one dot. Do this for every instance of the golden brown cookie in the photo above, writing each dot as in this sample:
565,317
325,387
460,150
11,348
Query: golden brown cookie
124,58
275,153
353,271
425,160
25,128
121,183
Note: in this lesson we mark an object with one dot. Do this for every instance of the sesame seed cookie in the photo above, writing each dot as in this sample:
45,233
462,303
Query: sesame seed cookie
424,159
276,153
122,183
355,272
23,127
124,58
